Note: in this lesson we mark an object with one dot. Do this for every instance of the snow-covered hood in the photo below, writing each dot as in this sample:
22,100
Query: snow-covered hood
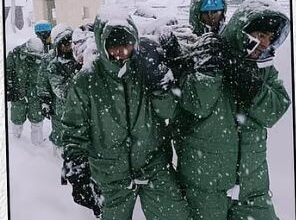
195,16
59,32
249,11
105,22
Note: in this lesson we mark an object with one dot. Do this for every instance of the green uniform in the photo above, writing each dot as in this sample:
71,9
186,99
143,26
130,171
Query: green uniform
255,113
206,143
199,27
119,125
21,72
54,79
59,73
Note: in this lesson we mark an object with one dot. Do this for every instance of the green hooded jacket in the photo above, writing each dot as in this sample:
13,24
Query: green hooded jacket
199,27
113,119
268,105
55,78
21,71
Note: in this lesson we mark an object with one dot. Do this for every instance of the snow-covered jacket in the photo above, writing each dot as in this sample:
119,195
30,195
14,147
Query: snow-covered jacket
258,107
195,17
113,118
21,69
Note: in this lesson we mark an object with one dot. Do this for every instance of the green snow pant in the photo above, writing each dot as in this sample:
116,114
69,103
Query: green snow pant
256,208
205,178
208,205
23,109
254,199
161,199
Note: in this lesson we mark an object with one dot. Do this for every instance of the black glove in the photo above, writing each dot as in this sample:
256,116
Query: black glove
47,109
12,95
209,55
85,190
243,81
170,45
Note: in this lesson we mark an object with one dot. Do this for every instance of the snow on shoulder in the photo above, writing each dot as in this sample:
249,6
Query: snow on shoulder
34,44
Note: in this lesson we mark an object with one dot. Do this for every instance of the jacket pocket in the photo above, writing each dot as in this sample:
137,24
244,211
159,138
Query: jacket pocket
109,165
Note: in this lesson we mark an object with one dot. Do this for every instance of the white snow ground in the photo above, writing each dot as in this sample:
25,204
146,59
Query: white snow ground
36,193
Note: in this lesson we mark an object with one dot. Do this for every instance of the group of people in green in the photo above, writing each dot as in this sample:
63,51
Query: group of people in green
209,92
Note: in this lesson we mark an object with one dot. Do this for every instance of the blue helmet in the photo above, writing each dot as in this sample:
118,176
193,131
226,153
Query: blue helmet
42,27
212,5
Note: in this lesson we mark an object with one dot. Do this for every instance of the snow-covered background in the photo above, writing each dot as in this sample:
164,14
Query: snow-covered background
35,190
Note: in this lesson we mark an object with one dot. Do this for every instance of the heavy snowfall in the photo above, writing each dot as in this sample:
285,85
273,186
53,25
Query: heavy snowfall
34,172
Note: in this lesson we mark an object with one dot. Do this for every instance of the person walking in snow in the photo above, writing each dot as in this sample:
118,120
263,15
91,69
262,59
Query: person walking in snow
204,128
85,191
21,71
57,78
253,34
114,125
43,30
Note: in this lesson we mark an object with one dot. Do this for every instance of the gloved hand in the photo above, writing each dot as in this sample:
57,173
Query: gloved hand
244,81
209,55
170,45
47,110
12,95
84,189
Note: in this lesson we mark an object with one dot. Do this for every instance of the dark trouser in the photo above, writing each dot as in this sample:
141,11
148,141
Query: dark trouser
26,108
254,199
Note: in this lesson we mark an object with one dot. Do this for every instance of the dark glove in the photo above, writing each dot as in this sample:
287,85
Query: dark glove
209,55
243,81
85,191
170,45
12,95
172,53
47,109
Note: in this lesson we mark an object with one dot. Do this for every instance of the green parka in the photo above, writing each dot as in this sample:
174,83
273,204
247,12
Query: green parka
116,119
199,27
54,83
117,122
255,112
21,72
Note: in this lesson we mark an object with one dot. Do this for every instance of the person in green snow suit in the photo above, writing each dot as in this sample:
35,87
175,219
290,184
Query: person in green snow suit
204,130
207,16
56,79
115,122
21,71
253,34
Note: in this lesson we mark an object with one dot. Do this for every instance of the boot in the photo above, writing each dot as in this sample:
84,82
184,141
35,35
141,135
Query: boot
37,133
17,130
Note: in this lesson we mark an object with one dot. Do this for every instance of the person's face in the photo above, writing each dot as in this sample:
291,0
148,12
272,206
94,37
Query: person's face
121,52
44,37
65,46
212,18
265,39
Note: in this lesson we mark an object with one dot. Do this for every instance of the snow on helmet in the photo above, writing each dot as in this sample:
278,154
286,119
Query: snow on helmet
212,5
59,32
42,26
